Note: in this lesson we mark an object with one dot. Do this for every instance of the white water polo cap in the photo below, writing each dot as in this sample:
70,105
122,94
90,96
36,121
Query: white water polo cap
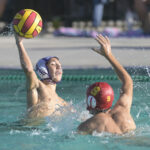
41,68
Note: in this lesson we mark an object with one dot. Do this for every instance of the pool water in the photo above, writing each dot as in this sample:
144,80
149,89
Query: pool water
59,133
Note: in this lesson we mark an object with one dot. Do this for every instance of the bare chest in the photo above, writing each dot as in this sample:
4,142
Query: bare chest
48,102
48,95
45,108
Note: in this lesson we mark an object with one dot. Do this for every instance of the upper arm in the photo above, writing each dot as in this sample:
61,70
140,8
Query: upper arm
32,80
126,94
32,85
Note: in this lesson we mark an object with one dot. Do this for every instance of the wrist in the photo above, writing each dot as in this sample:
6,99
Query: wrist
18,42
109,56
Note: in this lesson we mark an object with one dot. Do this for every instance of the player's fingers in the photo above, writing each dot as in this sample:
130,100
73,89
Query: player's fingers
107,39
99,41
102,38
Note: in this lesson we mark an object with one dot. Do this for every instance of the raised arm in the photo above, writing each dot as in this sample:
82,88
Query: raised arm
125,99
32,80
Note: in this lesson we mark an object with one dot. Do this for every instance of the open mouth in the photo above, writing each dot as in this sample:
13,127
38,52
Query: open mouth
58,73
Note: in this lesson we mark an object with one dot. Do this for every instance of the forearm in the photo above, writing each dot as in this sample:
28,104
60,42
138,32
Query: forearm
120,71
24,58
105,50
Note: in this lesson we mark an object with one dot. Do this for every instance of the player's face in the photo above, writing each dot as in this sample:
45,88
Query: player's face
55,69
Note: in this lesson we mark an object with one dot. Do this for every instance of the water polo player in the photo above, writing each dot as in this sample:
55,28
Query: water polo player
42,99
100,97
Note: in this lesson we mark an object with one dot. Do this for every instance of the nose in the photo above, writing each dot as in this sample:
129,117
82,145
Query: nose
58,67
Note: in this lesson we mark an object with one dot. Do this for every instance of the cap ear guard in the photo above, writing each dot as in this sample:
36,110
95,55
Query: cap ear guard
41,68
91,102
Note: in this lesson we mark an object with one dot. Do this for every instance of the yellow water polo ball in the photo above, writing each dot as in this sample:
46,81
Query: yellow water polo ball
27,23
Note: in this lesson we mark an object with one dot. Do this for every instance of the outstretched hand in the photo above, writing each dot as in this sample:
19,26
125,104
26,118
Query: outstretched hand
105,49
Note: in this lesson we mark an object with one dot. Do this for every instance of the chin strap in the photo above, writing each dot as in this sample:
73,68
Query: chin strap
49,80
96,111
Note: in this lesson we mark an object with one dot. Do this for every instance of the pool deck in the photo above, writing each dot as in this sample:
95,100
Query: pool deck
75,52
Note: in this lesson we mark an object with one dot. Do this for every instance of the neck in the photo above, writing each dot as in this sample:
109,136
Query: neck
50,83
97,111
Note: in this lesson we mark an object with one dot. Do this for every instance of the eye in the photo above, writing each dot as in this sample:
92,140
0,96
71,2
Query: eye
53,63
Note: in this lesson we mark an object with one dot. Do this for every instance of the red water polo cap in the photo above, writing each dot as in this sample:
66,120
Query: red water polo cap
100,95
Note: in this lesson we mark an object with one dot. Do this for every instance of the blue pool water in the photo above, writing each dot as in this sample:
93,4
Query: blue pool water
60,133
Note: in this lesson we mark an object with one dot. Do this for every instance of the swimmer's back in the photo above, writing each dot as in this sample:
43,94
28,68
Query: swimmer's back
115,121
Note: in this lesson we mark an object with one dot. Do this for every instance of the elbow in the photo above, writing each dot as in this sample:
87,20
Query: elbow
128,81
131,81
27,68
129,84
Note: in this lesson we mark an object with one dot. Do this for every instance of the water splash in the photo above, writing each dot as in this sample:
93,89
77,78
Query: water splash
84,115
7,30
148,72
138,114
18,90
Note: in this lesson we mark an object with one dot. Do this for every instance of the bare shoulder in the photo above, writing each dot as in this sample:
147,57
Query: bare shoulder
42,87
122,120
94,123
41,84
87,126
120,114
